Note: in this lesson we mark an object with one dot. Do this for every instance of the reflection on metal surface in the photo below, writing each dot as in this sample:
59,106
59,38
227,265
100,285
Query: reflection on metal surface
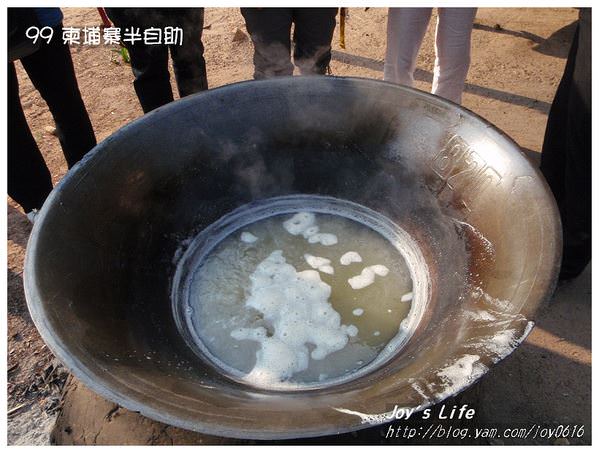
464,171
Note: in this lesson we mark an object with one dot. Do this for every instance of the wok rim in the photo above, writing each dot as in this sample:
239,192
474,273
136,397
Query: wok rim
97,383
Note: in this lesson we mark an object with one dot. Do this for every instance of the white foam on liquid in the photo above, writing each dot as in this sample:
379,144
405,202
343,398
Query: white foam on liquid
304,223
350,257
299,223
320,263
316,261
323,238
407,297
352,330
327,269
380,270
296,305
248,237
310,231
366,277
358,312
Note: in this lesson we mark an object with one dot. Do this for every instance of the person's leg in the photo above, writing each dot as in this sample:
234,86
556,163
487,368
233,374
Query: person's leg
29,181
270,30
553,155
313,34
406,28
152,80
188,58
574,189
149,62
452,49
51,72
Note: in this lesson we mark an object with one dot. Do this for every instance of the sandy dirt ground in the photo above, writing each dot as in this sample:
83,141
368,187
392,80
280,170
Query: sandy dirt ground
518,56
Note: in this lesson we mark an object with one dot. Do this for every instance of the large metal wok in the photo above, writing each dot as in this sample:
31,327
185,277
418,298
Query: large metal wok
103,252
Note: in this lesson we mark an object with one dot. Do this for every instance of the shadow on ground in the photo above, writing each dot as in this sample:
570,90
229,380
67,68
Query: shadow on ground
555,46
427,76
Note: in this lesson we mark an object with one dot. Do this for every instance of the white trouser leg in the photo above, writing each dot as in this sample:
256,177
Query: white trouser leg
452,49
405,31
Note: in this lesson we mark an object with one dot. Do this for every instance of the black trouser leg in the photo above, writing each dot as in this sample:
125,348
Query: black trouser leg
313,34
29,181
270,30
553,156
51,72
148,62
188,59
566,156
152,80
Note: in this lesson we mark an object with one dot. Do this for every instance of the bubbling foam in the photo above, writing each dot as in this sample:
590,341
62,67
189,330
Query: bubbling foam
275,314
320,263
300,223
248,237
407,297
296,306
316,261
350,257
366,277
304,223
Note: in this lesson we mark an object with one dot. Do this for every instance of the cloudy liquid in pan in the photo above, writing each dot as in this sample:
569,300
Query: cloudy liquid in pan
299,298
